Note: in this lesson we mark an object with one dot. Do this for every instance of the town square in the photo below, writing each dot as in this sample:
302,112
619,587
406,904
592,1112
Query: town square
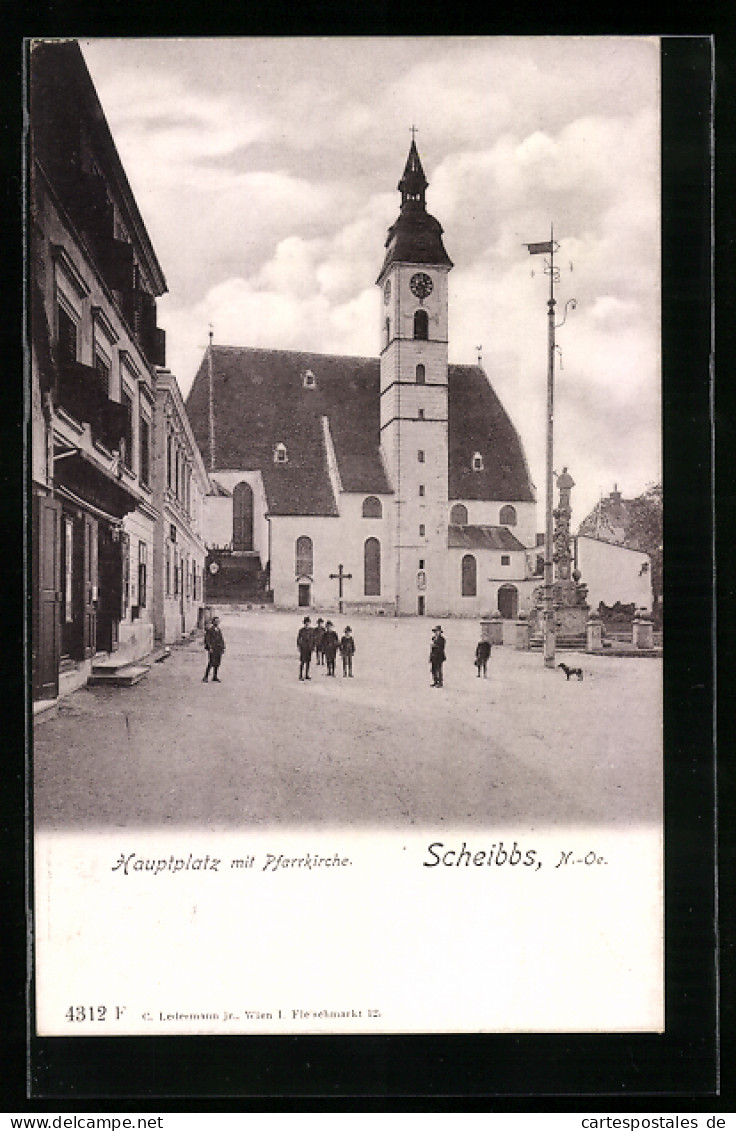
384,750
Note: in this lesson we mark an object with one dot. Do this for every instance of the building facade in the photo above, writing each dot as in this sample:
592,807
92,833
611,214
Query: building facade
94,279
614,574
180,487
395,484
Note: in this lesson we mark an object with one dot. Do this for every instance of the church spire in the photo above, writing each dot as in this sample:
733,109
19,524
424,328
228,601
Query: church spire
415,236
413,183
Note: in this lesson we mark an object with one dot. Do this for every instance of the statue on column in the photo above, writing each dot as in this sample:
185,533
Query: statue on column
569,596
562,555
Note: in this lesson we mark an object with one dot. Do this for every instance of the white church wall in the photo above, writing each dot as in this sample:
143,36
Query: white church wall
614,573
219,511
491,576
335,542
218,520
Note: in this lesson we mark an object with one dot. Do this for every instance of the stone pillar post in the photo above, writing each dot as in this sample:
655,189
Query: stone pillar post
522,633
491,629
643,631
594,633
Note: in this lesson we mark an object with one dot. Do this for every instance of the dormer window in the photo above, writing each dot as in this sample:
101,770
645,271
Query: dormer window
477,461
279,454
309,380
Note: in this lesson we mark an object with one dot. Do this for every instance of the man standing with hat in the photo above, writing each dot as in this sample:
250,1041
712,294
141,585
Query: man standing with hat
437,655
305,644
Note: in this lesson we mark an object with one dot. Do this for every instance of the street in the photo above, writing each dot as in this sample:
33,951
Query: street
383,749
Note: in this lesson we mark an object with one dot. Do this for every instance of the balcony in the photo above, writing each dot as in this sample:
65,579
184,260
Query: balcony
81,392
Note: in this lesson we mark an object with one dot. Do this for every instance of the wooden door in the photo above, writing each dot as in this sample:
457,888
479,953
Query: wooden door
46,647
89,587
110,574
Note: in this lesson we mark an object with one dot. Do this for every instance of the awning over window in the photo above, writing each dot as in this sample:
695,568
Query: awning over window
92,484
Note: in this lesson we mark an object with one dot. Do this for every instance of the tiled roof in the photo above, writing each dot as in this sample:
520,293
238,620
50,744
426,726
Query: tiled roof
481,538
260,400
478,422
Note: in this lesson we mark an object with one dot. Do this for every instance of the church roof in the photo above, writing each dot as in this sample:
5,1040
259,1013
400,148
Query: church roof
478,422
481,538
264,397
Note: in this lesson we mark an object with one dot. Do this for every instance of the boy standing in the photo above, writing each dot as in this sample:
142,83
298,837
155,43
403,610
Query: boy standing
347,651
318,633
214,642
437,656
305,644
329,647
482,655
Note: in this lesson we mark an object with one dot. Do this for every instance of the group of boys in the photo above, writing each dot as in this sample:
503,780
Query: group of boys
323,641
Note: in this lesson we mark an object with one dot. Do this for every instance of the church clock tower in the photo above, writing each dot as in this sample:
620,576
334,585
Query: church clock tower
413,282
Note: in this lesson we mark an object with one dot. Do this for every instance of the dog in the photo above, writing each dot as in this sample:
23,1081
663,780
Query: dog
571,671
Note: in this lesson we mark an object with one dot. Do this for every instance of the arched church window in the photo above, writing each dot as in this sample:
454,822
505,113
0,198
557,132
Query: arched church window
388,330
508,515
243,517
469,576
372,567
280,454
477,461
421,374
372,507
309,380
421,325
304,556
459,515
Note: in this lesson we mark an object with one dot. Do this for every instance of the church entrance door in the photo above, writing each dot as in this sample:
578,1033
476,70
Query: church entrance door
304,596
508,601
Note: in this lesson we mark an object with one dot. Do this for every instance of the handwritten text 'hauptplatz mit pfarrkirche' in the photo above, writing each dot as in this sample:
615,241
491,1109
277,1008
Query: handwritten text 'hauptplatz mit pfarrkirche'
502,854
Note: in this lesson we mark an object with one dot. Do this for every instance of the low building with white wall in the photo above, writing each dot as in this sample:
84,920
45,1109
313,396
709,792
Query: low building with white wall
181,485
613,573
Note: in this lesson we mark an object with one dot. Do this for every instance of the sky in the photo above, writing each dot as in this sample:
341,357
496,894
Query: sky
266,172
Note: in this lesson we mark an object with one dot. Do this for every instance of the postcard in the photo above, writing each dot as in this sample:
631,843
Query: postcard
345,393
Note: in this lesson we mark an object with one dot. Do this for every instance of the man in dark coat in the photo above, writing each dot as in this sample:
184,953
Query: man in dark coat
215,644
330,642
437,656
305,644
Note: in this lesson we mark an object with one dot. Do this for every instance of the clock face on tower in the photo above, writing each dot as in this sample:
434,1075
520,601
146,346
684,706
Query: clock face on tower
421,285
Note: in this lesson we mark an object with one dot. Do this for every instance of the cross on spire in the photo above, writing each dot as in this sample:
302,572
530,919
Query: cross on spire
414,132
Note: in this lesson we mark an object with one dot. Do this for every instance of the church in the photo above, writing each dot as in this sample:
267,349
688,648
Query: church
396,485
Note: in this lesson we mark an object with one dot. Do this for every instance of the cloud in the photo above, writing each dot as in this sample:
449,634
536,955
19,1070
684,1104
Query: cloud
266,171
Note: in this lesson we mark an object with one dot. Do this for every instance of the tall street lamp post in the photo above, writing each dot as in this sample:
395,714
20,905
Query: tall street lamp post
548,248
